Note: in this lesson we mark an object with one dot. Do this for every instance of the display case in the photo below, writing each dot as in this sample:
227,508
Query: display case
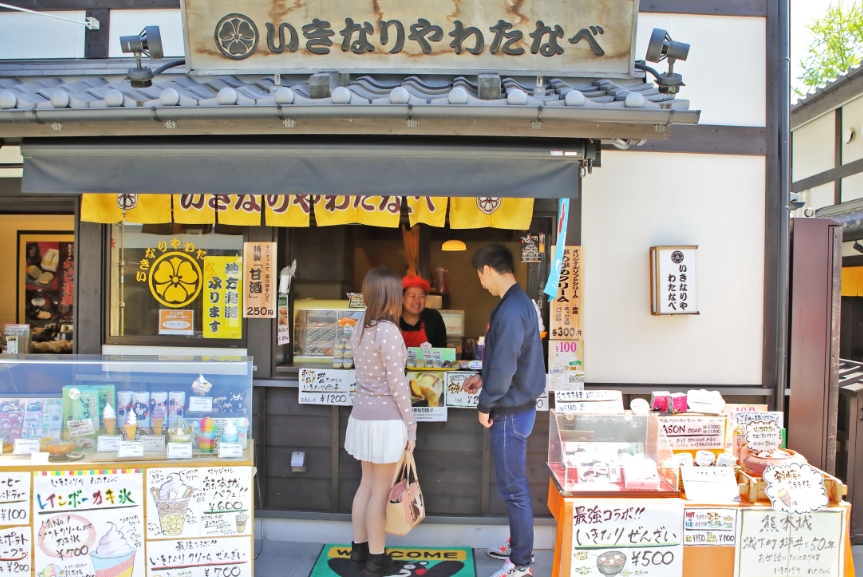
610,453
318,325
83,408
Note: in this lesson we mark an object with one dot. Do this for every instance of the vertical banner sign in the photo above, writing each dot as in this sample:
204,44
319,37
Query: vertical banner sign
673,280
89,523
554,275
284,331
259,280
619,537
223,301
566,307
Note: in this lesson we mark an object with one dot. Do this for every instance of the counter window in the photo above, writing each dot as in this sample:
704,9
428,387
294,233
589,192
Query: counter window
176,281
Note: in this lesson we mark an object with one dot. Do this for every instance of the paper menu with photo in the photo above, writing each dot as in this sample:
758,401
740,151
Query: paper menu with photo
89,523
225,557
199,502
627,537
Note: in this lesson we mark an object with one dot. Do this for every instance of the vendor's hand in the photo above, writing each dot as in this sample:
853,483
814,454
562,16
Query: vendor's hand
485,420
410,446
472,384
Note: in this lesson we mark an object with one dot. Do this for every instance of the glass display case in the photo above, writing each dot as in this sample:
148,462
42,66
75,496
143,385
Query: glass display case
318,325
81,407
610,453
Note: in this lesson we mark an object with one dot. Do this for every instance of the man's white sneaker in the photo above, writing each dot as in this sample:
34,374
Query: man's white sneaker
510,570
504,551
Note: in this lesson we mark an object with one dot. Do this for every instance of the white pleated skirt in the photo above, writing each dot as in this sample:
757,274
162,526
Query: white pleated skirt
377,442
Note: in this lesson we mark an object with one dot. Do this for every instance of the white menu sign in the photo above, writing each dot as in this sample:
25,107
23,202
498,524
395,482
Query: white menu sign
456,396
694,432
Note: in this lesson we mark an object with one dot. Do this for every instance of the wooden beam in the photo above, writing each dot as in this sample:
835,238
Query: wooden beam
707,139
96,42
828,176
706,7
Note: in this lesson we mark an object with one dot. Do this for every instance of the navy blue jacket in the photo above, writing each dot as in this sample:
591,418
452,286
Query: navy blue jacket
513,369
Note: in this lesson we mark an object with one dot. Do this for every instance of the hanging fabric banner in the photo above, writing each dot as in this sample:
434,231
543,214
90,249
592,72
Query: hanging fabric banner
430,210
491,211
334,210
238,209
194,209
288,210
223,300
551,286
383,211
140,208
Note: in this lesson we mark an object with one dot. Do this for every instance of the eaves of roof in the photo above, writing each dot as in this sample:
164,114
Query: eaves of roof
830,96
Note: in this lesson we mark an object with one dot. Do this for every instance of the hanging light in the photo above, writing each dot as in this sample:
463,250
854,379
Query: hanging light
453,245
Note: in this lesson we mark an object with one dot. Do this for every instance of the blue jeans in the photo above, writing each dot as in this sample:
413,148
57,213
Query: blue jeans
509,435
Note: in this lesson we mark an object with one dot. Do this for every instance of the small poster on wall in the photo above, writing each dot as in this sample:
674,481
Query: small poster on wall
46,280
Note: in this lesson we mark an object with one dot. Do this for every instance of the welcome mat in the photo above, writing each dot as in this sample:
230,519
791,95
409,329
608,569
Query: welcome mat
334,561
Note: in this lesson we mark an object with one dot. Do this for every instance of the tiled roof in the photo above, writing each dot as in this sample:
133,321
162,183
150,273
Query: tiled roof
178,90
832,85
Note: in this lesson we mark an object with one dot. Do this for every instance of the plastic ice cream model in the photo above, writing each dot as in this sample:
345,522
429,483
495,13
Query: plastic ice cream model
201,386
113,557
172,501
241,519
230,434
180,431
131,425
157,418
109,417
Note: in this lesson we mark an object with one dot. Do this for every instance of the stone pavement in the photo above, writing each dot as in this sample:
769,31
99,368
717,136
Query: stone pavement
288,559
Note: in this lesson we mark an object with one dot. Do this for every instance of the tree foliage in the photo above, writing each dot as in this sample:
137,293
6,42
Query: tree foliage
837,45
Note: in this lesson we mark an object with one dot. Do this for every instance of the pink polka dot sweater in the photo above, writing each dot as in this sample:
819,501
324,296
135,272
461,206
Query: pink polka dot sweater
383,393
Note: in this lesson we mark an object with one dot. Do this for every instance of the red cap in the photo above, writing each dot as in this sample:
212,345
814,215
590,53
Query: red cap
415,281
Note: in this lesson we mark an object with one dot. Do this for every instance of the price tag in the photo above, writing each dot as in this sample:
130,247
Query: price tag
81,427
39,458
153,443
130,449
230,450
26,446
179,450
106,444
200,404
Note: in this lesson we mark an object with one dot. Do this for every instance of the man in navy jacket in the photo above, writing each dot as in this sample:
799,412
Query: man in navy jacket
513,376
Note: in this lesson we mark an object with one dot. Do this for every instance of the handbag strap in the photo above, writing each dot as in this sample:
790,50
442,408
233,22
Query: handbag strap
411,466
400,467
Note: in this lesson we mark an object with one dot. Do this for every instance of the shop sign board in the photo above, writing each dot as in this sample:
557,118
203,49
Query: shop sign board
200,557
456,397
566,308
327,387
89,523
566,362
224,299
709,527
15,547
772,543
259,280
795,488
763,435
430,414
176,322
694,432
14,499
564,37
673,280
635,537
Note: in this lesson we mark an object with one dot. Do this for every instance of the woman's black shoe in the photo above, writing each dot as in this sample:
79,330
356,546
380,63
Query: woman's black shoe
359,556
380,565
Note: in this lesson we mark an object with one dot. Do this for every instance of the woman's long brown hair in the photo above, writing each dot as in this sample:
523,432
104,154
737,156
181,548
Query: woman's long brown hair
382,293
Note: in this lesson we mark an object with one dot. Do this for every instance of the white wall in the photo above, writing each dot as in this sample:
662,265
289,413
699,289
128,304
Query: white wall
852,117
29,36
715,202
812,151
725,74
852,187
131,22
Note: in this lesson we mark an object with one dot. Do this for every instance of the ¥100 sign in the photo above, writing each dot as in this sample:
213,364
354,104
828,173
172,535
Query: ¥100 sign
563,37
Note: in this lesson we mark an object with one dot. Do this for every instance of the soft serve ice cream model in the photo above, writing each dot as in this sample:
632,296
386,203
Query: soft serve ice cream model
131,425
113,557
157,418
201,386
172,501
109,418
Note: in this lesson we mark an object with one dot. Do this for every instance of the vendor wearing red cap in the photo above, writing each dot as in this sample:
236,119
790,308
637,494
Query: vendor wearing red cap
418,324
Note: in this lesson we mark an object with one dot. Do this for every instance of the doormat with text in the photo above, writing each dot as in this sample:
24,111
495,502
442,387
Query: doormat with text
334,561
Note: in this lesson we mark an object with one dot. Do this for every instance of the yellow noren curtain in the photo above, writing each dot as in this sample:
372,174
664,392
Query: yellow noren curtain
194,209
288,210
239,209
107,208
430,210
490,211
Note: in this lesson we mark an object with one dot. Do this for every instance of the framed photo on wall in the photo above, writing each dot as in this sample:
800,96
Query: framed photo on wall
46,279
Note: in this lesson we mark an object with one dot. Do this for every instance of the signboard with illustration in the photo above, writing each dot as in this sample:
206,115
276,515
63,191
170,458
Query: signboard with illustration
89,523
569,37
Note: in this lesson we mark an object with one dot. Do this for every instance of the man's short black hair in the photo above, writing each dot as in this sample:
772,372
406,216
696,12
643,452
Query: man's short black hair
496,256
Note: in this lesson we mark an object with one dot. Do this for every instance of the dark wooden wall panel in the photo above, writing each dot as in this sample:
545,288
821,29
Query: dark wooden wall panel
89,307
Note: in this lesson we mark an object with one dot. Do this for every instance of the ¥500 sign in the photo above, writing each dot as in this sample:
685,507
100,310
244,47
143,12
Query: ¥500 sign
560,36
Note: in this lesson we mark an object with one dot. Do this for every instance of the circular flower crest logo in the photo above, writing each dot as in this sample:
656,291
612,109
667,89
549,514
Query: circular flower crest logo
236,36
175,279
488,204
677,257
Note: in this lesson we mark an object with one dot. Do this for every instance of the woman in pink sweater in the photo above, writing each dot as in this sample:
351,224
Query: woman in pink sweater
382,425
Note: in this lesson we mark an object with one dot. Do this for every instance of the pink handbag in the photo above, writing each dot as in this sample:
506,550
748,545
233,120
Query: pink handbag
406,507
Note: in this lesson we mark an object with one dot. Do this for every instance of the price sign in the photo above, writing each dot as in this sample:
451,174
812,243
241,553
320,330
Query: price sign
566,310
572,396
128,449
590,408
542,402
80,427
200,404
230,450
456,396
430,414
694,432
25,446
153,443
327,380
337,399
259,280
709,527
108,444
179,450
763,436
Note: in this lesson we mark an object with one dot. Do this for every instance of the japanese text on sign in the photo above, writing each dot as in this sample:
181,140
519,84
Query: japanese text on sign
773,543
685,432
710,527
763,436
566,313
15,547
641,536
259,280
15,499
534,35
225,557
327,380
673,286
223,300
455,395
795,488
